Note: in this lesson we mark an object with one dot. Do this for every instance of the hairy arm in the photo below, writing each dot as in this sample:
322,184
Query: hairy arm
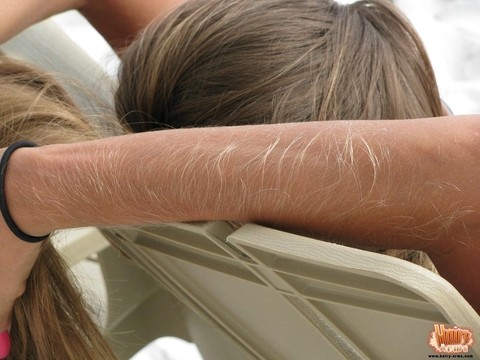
18,15
386,184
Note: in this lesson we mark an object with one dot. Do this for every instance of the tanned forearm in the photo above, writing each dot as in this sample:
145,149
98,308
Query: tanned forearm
384,184
396,178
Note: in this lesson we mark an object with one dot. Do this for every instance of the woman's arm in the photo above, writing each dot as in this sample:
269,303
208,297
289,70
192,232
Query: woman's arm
18,15
117,20
17,259
120,20
386,184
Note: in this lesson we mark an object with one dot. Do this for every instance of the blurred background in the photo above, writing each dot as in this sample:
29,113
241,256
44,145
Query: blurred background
450,30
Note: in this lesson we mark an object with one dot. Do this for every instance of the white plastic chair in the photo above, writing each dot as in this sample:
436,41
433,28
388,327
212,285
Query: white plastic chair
267,294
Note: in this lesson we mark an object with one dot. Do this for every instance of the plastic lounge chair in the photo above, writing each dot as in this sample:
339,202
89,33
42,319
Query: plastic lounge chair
267,294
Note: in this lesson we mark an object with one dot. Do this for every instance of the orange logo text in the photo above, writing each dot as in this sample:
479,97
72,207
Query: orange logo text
452,340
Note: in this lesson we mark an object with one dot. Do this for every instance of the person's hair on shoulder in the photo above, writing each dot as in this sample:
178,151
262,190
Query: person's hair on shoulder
51,319
36,107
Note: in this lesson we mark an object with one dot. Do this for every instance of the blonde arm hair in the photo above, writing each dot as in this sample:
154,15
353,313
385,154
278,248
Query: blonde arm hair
386,184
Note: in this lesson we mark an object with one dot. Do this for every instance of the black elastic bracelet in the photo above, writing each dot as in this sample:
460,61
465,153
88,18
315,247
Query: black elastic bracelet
3,201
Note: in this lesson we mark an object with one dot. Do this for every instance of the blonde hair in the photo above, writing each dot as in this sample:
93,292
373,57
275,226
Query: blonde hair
50,320
235,62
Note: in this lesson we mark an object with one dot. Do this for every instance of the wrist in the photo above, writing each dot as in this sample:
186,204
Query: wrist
25,191
4,208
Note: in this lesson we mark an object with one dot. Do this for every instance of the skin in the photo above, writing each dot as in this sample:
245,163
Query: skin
17,259
117,20
120,20
424,194
18,15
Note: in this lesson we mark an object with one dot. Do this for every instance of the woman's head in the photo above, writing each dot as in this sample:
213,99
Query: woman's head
50,319
234,62
228,62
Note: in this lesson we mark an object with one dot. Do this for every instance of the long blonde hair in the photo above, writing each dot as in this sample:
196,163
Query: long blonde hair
235,62
50,320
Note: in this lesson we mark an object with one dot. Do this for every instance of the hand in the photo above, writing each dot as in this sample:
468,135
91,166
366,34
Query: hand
119,21
17,258
16,261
